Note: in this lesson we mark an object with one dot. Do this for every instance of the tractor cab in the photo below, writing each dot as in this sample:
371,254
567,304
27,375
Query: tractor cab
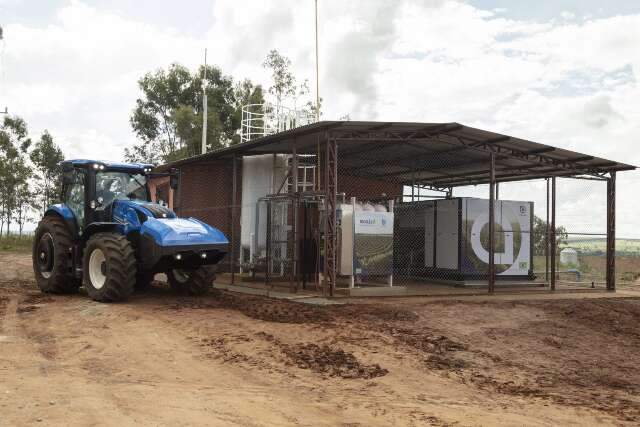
91,188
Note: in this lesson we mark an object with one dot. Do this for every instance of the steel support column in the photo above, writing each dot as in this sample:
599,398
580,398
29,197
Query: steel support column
546,240
267,273
611,232
293,274
330,231
552,240
492,185
234,201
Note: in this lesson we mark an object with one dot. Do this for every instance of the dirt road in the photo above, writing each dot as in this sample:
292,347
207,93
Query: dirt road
165,359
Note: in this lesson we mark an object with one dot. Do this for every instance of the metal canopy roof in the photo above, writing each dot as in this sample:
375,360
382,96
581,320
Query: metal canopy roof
434,154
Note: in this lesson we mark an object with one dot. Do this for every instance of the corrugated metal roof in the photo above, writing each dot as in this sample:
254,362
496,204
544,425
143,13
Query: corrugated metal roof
438,154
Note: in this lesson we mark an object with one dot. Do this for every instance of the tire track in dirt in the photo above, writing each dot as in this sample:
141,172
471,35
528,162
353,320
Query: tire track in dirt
8,325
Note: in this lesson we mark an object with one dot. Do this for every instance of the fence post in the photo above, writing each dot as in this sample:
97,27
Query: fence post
611,232
233,221
330,237
492,183
552,243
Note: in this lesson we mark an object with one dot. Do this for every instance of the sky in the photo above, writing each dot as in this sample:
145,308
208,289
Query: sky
560,72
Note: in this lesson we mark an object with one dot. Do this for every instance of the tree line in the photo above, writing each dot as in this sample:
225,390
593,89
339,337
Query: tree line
540,236
167,117
29,173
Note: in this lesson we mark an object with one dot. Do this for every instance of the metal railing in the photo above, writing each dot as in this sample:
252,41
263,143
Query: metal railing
259,120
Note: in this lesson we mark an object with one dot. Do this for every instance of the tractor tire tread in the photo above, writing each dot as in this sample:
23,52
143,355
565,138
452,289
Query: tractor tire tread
200,281
61,280
121,259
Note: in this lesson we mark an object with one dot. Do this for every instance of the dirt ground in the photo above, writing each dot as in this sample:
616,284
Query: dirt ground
167,359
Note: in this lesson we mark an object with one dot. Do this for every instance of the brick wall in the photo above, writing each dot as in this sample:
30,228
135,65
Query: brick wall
206,194
366,188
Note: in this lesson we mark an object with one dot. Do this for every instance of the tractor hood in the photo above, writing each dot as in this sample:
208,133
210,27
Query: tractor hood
182,232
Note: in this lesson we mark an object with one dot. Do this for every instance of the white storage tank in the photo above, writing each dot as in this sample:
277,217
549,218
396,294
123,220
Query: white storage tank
569,256
259,176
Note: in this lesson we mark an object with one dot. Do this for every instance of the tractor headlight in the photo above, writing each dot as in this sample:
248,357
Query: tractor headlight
203,255
96,166
101,167
178,257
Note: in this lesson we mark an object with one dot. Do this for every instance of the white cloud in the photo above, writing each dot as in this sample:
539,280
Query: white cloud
565,82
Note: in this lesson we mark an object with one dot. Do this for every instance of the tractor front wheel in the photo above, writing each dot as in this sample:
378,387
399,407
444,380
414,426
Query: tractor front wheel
109,267
195,282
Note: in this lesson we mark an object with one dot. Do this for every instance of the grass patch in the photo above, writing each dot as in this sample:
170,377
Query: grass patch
15,243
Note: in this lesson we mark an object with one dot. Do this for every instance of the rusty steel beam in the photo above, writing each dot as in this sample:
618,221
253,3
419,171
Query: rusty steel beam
492,266
394,135
381,126
293,276
267,274
553,234
546,239
233,220
517,154
590,170
331,231
386,139
514,177
611,232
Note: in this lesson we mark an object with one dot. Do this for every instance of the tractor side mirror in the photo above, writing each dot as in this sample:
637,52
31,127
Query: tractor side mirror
174,179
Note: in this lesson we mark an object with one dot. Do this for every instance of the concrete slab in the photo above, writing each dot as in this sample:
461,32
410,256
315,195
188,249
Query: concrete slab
431,291
302,297
434,290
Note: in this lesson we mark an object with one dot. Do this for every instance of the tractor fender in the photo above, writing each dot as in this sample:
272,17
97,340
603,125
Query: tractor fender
67,216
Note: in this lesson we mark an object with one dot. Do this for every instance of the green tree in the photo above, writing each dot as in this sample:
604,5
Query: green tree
46,157
167,117
285,89
14,170
24,206
284,83
539,236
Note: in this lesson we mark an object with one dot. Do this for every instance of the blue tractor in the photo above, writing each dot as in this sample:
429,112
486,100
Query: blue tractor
110,237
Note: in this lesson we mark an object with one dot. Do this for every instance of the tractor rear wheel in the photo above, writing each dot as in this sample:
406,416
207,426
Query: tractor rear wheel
195,282
52,257
109,267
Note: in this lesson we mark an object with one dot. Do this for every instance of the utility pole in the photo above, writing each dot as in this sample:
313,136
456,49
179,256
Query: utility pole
204,105
317,70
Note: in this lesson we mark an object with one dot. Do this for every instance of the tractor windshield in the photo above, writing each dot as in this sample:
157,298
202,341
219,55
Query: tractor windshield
112,186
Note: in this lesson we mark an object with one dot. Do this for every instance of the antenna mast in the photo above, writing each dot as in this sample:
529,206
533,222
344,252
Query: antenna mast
317,72
204,105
